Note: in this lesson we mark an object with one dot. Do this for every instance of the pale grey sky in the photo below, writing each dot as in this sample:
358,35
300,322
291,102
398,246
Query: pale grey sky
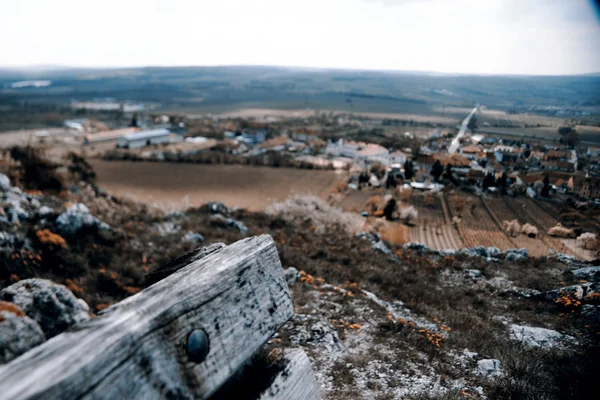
466,36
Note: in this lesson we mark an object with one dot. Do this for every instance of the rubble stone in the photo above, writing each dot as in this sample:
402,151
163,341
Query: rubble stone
52,306
76,218
489,367
537,337
18,334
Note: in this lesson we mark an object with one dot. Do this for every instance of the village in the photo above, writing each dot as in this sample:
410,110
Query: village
442,184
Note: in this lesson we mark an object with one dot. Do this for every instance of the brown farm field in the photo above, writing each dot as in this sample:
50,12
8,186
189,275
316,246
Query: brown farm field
168,184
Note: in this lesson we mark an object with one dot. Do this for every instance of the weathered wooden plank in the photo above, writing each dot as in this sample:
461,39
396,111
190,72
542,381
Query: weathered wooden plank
297,380
180,262
237,294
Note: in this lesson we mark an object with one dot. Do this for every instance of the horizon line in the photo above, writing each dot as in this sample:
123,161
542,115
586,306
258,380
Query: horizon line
54,67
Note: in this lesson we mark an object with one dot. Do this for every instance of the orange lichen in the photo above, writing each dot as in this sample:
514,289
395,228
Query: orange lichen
45,236
73,287
569,301
346,325
11,308
131,289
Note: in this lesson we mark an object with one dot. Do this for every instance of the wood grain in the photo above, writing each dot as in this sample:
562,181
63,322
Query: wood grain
296,382
136,350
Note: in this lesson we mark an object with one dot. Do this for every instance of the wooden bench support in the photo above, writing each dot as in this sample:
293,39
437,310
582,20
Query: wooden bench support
137,349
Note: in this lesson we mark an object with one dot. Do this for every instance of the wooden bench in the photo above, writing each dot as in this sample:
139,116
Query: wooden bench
187,336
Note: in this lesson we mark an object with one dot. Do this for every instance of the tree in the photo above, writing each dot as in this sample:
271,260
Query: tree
538,186
488,181
408,170
134,120
472,125
545,192
502,183
437,170
448,173
564,130
572,138
389,209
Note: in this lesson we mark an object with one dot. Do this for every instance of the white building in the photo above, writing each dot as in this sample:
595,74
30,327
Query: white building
358,151
77,124
398,157
145,138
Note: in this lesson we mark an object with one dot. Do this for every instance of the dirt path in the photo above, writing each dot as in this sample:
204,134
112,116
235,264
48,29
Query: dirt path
168,184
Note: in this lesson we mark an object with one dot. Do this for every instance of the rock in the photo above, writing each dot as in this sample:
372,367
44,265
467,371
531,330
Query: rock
591,313
35,203
382,248
537,337
44,211
193,237
175,215
318,334
76,218
375,241
474,273
481,251
18,332
469,354
166,228
218,208
416,246
588,273
447,252
489,368
220,220
292,276
52,306
515,254
4,183
580,292
576,291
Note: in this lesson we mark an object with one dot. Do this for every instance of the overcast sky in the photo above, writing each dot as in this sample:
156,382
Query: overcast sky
467,36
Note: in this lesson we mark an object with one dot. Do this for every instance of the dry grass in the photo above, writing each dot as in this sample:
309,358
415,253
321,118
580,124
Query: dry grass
321,216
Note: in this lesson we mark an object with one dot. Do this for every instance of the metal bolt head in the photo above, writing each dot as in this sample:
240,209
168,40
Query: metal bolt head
197,346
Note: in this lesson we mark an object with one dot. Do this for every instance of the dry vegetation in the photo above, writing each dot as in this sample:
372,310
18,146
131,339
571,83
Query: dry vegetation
379,355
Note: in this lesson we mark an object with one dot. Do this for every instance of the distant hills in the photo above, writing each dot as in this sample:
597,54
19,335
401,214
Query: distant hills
228,87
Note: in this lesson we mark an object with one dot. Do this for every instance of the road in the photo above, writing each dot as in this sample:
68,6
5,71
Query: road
463,129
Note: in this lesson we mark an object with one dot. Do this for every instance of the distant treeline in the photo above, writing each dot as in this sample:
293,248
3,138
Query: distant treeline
269,159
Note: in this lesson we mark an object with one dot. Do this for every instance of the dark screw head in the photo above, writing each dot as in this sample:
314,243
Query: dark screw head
197,346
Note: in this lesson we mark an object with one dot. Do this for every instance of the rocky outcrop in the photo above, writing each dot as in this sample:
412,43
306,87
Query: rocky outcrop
481,251
489,368
52,306
193,237
224,222
375,241
18,332
537,337
292,276
591,313
515,254
317,334
588,273
77,218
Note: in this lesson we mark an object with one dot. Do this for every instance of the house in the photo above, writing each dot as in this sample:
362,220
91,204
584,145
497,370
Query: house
107,136
373,153
585,187
144,138
358,150
278,143
80,124
398,157
455,160
470,152
253,137
593,151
